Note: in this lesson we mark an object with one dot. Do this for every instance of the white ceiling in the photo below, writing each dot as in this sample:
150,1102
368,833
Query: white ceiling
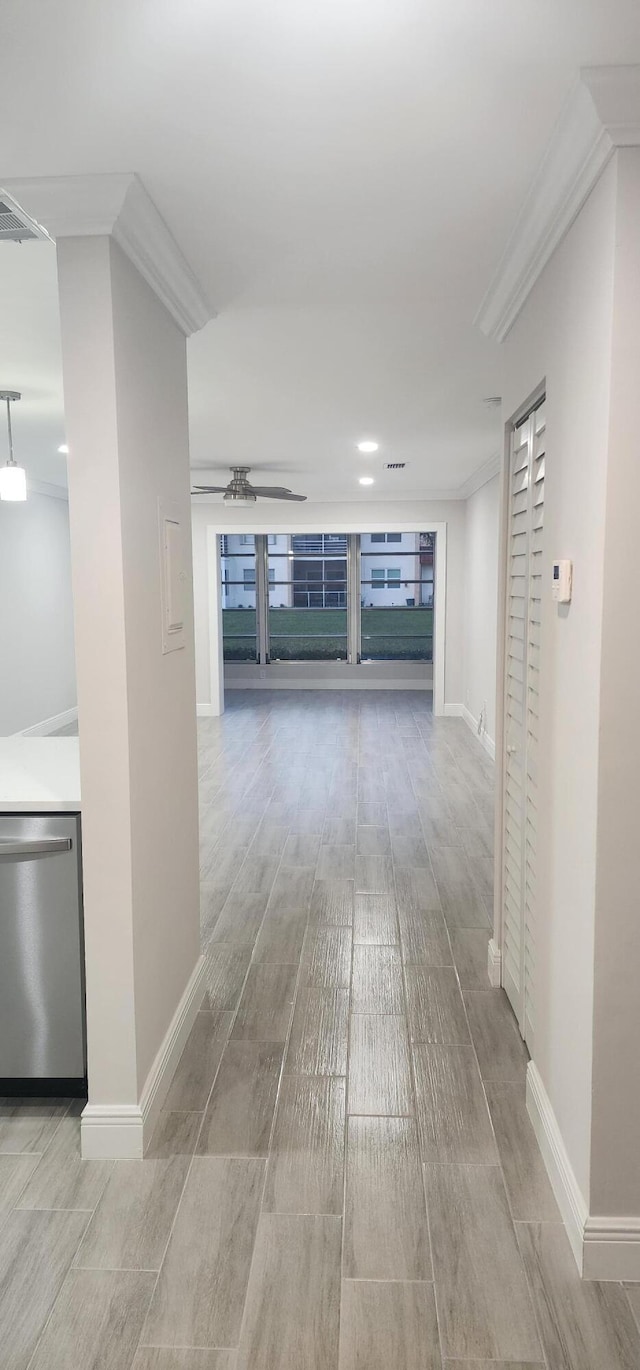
341,176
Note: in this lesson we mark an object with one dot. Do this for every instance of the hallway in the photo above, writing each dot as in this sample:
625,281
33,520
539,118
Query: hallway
349,1060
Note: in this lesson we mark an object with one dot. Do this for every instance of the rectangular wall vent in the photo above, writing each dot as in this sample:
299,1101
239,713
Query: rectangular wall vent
395,466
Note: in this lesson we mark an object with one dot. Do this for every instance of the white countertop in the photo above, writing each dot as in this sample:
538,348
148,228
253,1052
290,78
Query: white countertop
39,774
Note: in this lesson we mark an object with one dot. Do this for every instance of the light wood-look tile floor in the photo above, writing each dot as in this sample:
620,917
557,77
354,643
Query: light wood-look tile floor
344,1176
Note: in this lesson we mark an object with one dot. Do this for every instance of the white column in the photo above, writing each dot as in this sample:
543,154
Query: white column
127,301
124,364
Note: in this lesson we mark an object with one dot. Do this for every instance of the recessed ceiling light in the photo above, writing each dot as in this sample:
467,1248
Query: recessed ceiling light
366,480
367,446
63,448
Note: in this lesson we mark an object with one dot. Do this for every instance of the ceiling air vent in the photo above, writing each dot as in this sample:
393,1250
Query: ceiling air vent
395,465
14,227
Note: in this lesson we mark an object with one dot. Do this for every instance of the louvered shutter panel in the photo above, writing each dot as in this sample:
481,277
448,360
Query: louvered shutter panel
521,732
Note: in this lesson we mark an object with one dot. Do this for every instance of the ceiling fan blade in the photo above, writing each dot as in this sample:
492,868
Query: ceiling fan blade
275,492
209,489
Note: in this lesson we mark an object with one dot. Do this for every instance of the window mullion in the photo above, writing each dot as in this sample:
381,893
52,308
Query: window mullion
354,649
262,598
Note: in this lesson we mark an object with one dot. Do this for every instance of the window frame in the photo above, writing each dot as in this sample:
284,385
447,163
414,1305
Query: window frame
436,532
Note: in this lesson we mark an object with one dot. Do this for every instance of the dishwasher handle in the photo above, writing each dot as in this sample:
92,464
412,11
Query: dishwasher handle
39,846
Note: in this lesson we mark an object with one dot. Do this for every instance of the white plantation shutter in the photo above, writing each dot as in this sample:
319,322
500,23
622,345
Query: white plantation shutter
522,666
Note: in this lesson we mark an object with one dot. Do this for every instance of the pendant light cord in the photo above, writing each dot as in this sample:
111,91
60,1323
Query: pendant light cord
11,461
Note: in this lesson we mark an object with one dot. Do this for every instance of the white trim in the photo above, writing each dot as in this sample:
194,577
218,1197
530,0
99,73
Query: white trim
605,1248
481,736
360,524
481,476
205,711
117,204
602,114
611,1249
122,1131
214,624
494,964
453,710
50,725
349,683
570,1198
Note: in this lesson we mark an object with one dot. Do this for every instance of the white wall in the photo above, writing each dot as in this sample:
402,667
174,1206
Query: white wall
356,516
481,603
615,1135
124,364
37,680
564,335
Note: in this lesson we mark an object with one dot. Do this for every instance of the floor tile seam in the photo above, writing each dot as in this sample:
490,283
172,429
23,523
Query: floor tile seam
383,1279
202,1121
434,1266
58,1296
346,1109
499,1165
417,1119
281,1075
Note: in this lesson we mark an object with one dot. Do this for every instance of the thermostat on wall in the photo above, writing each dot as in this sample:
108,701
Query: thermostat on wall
562,579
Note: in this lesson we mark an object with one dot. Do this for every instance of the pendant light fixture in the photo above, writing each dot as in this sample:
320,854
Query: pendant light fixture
13,478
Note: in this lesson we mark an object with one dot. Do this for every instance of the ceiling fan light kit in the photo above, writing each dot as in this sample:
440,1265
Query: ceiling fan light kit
13,478
240,492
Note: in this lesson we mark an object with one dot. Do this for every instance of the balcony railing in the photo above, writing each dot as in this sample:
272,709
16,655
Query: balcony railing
320,544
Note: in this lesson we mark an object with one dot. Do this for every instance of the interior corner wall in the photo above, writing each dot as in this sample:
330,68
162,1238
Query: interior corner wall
151,385
347,516
563,336
38,681
125,384
481,603
615,1136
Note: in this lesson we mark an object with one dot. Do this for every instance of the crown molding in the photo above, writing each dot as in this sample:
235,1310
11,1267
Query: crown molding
118,205
480,477
45,487
601,115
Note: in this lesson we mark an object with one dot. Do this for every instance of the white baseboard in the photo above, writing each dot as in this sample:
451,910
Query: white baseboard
453,710
122,1131
604,1248
51,725
611,1249
208,711
494,964
482,737
569,1196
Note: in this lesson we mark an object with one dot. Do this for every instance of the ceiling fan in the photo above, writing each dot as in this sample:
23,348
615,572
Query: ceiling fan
239,491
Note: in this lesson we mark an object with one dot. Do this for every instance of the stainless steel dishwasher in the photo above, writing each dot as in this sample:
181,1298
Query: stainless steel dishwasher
42,1001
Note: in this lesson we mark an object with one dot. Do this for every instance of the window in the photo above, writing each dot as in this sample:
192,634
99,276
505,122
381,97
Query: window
239,633
301,611
308,599
396,615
